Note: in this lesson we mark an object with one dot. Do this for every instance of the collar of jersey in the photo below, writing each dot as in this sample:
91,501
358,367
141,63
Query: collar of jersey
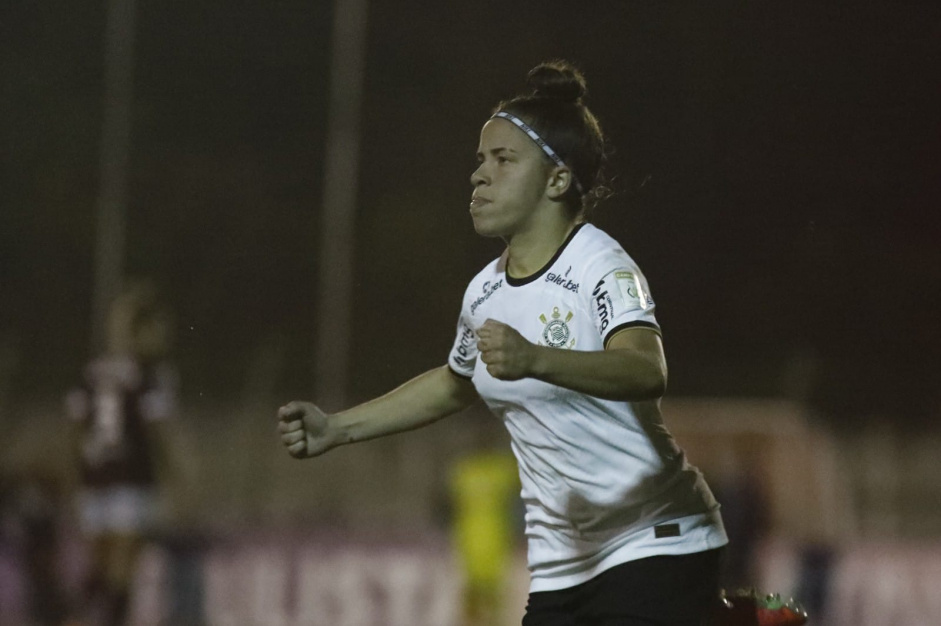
519,282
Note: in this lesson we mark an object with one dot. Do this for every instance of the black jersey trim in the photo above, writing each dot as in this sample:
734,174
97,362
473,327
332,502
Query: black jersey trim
519,282
459,374
626,325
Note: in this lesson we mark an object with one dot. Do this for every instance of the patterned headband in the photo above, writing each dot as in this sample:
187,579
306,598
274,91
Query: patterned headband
523,126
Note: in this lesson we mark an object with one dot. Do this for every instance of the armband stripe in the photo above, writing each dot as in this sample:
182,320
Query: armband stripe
634,324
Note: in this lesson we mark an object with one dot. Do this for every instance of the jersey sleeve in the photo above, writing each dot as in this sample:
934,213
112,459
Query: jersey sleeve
463,355
621,297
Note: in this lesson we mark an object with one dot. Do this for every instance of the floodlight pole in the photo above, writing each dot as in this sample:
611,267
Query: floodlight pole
113,164
338,213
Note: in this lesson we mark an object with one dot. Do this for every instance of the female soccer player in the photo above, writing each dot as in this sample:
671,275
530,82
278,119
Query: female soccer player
558,337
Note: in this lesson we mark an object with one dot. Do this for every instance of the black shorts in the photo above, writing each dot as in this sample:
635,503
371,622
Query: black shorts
656,591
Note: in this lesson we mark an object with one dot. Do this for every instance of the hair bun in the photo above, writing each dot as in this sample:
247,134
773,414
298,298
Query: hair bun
559,80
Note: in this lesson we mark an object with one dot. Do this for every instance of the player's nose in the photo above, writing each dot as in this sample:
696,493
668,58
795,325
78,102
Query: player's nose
479,177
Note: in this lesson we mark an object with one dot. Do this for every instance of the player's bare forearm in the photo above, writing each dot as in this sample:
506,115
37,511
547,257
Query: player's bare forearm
421,401
307,431
632,368
613,374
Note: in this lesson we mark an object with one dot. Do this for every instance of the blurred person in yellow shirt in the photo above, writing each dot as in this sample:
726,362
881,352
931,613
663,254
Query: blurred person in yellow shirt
484,491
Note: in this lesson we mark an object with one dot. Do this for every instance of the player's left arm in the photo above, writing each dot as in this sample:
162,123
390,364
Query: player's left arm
632,366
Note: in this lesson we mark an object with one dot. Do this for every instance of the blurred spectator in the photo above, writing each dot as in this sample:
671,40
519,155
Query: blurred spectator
744,513
121,414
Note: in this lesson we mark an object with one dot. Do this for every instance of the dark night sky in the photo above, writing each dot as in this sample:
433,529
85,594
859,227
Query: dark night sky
778,168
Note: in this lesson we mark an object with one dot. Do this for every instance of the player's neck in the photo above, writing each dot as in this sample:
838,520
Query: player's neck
530,250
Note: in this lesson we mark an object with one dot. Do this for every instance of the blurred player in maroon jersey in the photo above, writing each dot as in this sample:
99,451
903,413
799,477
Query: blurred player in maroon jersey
120,413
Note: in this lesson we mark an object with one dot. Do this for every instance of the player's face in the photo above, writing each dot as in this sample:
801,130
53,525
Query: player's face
510,183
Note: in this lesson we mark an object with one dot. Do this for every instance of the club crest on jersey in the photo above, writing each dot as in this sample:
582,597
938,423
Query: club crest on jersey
557,333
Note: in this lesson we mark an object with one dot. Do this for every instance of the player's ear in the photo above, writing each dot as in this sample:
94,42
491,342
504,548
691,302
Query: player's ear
560,179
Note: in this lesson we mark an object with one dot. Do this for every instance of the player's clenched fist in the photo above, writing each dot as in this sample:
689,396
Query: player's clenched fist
305,430
508,355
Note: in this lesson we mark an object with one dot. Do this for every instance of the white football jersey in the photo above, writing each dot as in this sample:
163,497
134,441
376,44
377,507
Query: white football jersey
603,481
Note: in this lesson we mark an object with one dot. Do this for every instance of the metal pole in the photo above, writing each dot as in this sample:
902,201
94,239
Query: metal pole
338,213
115,141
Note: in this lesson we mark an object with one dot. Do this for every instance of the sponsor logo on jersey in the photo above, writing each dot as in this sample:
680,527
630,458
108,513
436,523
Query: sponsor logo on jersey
562,281
603,306
464,346
557,333
488,290
617,292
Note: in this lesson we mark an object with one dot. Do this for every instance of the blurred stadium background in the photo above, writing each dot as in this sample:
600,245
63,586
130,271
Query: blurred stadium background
778,175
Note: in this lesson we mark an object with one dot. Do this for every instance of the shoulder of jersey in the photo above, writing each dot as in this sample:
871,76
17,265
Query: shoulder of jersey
593,245
491,271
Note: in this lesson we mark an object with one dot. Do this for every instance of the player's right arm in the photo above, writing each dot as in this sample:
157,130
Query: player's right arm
307,431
